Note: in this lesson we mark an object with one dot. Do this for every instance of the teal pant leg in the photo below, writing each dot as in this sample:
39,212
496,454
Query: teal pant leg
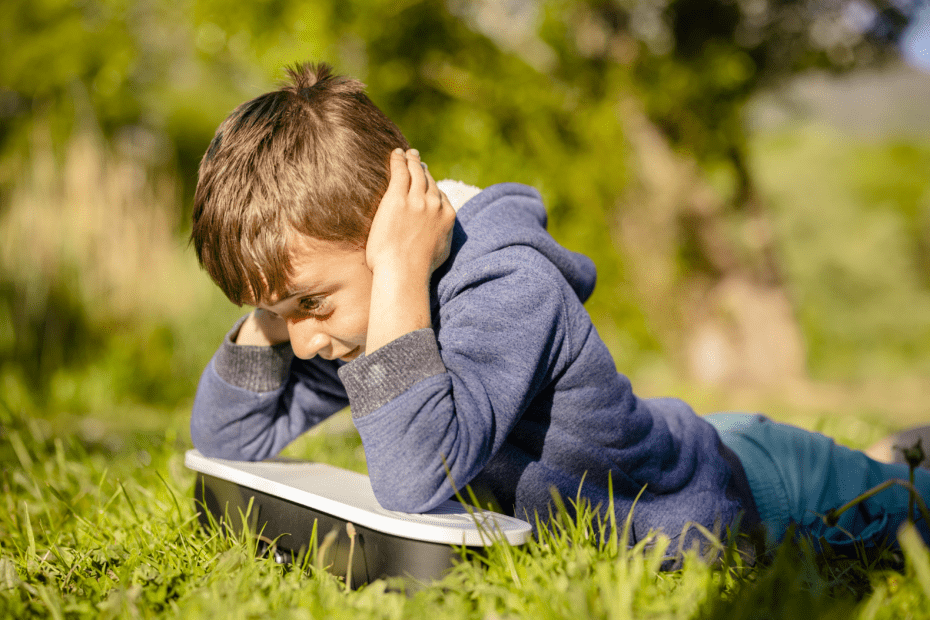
797,476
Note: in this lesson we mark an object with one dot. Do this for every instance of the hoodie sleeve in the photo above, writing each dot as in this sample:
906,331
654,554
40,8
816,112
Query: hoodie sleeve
252,401
432,410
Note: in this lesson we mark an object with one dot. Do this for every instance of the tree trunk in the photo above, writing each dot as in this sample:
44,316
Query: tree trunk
707,271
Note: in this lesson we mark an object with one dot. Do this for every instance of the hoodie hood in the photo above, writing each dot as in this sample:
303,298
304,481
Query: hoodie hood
512,214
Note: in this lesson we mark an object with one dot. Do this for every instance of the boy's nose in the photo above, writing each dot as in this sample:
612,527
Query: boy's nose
306,341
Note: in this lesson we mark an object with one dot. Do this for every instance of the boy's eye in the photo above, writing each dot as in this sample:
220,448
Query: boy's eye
309,303
312,307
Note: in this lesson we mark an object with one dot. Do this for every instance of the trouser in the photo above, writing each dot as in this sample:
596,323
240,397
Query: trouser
798,476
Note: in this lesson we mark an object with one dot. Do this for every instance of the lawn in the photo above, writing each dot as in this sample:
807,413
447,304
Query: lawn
98,521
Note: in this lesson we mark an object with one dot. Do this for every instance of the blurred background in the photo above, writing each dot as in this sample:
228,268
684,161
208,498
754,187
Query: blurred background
751,177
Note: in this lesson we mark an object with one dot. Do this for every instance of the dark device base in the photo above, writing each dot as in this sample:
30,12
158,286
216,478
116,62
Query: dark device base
287,530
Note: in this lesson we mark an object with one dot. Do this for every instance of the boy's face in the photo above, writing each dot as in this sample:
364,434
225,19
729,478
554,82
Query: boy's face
326,304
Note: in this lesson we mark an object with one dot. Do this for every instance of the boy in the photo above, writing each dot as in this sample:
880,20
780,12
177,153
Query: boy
461,342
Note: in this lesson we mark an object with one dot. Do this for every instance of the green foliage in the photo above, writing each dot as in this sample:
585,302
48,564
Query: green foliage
101,303
155,78
852,228
54,49
188,64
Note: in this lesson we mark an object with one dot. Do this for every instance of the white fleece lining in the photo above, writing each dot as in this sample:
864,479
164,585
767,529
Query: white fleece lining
459,193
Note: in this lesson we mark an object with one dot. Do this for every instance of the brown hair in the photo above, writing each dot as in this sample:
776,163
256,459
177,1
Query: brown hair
312,157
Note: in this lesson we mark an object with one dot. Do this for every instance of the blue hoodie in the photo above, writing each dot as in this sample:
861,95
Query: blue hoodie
512,390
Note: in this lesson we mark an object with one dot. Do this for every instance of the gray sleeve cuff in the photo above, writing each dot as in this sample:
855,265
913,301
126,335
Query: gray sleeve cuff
371,381
254,368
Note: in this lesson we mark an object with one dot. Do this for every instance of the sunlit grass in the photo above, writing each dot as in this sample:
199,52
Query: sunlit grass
109,530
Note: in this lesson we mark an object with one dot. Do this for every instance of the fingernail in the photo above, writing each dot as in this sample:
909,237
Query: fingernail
399,151
415,152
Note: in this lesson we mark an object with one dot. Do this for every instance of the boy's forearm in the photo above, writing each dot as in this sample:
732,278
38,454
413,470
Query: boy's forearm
253,367
246,406
399,305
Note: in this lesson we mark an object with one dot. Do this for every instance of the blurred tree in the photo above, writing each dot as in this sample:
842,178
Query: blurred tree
693,65
626,114
698,61
54,47
479,112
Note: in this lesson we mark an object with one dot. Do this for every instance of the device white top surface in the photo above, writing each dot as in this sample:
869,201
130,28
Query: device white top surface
348,495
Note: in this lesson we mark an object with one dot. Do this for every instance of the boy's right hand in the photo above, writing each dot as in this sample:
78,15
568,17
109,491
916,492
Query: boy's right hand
262,328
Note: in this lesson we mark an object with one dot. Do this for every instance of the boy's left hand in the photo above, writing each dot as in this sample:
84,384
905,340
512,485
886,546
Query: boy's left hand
412,227
410,236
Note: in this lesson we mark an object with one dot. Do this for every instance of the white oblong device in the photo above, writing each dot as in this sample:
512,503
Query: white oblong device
293,505
347,495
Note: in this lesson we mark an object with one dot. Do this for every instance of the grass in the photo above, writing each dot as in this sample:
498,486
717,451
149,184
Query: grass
95,527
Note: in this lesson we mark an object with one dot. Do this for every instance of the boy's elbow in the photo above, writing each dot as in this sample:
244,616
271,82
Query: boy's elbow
212,444
217,452
405,496
403,504
209,447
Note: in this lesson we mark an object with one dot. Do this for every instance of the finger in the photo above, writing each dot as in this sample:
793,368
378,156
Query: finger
433,193
430,181
400,175
417,174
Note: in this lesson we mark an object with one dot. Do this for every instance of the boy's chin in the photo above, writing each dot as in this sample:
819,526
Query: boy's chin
351,355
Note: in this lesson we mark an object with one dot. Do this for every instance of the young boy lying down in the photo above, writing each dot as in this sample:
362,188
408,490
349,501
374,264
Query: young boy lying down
453,325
